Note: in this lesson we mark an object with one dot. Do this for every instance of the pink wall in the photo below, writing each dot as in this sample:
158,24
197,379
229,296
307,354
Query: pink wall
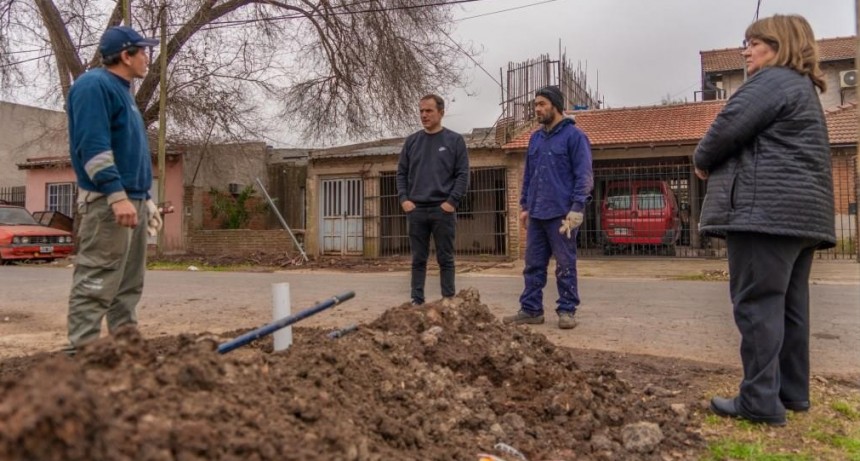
38,178
173,238
36,185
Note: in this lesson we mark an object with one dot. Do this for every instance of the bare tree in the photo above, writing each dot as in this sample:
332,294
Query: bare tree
331,67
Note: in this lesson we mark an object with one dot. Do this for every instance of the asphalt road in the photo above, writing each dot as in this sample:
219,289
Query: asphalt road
685,319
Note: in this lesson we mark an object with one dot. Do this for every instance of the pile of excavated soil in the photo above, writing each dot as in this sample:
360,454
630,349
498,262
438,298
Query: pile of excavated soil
442,382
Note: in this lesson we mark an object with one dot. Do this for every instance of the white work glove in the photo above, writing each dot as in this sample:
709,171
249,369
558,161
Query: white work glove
154,222
570,222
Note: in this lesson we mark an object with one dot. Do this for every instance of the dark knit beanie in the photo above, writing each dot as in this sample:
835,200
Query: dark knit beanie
554,95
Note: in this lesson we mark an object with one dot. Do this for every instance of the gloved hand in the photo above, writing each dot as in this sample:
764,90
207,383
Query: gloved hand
570,222
154,222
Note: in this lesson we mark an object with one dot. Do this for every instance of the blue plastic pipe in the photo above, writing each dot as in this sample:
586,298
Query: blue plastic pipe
266,330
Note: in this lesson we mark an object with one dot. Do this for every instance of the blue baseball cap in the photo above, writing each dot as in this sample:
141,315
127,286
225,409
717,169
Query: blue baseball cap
119,38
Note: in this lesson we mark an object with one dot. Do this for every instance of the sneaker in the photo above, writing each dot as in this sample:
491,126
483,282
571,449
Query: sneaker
566,321
523,318
416,303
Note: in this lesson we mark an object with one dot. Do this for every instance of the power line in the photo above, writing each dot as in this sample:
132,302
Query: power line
504,11
757,8
488,14
224,24
335,13
472,59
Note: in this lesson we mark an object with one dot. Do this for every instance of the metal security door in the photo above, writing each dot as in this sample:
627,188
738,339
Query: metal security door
341,216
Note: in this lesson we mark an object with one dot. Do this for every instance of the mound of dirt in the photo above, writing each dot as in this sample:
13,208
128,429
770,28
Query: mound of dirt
442,382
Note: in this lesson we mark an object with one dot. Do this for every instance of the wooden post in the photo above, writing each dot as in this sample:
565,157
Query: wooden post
857,149
126,12
162,118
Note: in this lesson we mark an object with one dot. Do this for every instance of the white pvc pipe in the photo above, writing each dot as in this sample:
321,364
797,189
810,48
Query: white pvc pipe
280,309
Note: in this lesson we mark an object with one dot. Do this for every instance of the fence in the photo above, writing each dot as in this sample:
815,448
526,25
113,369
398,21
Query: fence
525,78
15,195
642,208
481,217
645,208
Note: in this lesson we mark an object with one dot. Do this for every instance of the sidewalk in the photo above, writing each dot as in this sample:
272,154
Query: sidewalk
823,271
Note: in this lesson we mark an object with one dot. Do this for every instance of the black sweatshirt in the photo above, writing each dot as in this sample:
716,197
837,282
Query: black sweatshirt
433,168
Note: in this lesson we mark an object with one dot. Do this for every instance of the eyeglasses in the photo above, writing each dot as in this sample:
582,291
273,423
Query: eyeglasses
749,43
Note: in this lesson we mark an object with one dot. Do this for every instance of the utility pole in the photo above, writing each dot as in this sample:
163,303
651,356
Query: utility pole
126,20
162,118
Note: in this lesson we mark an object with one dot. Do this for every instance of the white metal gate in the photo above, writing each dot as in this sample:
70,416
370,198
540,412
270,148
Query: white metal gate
341,216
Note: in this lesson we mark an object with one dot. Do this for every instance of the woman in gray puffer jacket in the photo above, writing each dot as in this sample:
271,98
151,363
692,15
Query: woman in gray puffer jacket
770,195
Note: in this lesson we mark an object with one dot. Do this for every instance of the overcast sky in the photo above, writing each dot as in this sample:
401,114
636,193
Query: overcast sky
643,49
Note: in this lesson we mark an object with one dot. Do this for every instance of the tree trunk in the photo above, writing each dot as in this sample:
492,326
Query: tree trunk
69,64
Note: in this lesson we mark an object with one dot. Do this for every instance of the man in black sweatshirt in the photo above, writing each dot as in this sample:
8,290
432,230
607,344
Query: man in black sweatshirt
432,178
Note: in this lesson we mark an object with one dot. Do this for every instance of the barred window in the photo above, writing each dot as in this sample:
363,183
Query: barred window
61,197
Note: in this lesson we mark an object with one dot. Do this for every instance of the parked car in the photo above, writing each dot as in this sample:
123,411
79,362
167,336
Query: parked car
23,238
639,212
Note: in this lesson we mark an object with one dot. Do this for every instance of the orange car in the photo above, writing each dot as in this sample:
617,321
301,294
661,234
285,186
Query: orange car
23,238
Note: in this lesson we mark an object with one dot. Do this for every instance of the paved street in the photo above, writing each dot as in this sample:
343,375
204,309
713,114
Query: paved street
687,319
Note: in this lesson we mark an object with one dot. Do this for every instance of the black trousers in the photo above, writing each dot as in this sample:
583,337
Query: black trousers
769,284
424,222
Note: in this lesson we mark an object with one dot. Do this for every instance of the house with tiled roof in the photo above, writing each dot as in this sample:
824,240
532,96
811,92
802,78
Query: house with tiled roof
657,143
653,143
190,173
723,71
354,209
842,131
26,131
663,128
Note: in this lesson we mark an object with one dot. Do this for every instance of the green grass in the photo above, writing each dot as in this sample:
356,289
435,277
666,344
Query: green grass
831,432
180,266
749,451
701,277
844,408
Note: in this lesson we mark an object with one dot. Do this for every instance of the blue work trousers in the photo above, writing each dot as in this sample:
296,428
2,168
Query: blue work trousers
543,240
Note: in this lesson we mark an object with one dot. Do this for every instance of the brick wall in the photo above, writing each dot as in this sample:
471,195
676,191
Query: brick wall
257,205
238,242
844,183
516,234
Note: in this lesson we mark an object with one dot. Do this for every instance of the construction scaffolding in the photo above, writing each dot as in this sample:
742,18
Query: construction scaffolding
525,78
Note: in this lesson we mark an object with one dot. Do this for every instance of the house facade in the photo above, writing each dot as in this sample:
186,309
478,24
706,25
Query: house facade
842,131
353,207
51,185
25,132
631,145
192,172
723,71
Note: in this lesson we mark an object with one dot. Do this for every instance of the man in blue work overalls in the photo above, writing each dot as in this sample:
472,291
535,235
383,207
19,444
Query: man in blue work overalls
556,186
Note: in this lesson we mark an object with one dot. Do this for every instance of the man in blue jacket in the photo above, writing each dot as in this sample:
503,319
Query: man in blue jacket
111,158
432,178
556,187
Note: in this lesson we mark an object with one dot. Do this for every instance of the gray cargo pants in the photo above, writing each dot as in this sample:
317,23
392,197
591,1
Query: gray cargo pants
109,268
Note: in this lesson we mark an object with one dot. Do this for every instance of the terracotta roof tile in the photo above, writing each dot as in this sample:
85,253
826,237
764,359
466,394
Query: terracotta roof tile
664,125
842,124
678,124
829,49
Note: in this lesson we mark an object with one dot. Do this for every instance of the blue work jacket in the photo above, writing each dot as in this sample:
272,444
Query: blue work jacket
558,177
